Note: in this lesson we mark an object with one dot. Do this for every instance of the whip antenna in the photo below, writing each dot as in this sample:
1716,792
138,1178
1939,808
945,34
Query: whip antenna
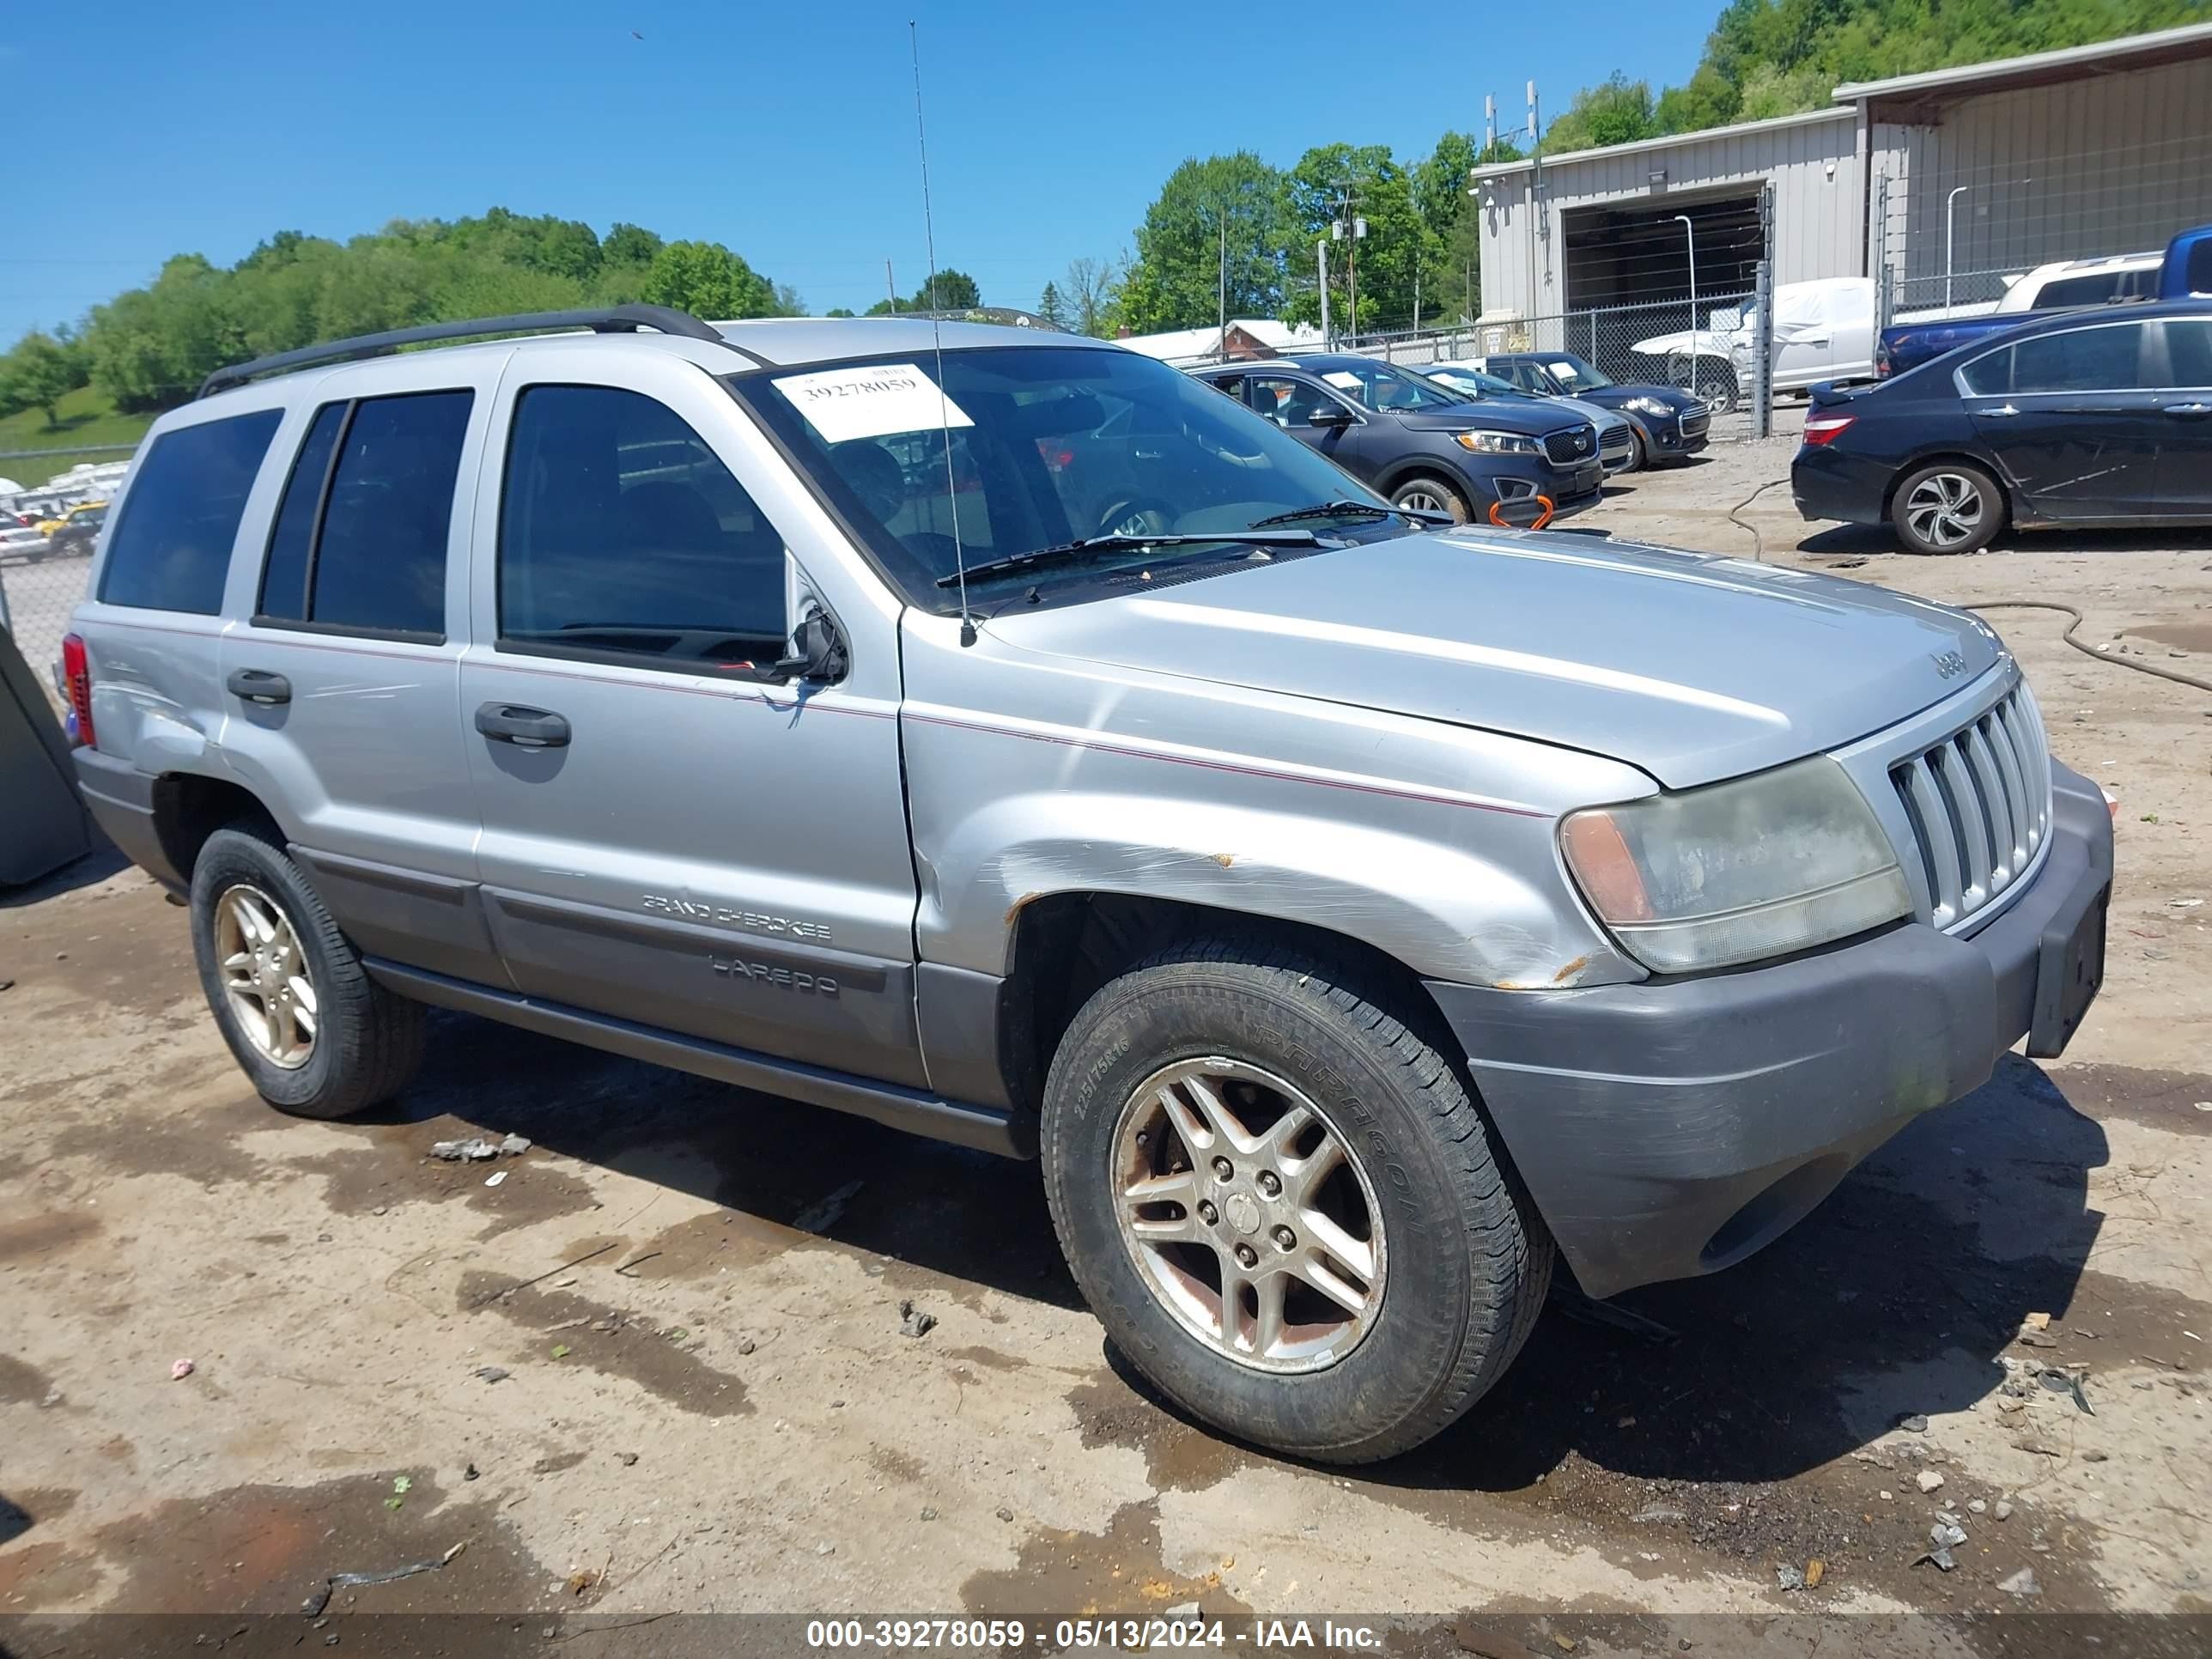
937,337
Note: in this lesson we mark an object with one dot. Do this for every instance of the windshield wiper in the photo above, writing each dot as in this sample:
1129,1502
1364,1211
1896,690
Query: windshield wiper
1084,546
1349,510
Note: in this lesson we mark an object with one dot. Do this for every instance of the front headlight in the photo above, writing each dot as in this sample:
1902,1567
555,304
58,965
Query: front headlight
1651,406
1497,443
1736,871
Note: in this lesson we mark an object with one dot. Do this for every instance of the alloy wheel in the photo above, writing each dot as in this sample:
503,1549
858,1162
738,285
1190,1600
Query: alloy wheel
1945,510
265,978
1249,1215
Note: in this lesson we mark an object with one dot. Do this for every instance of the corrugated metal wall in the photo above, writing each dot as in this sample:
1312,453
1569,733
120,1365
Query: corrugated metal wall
2107,164
1819,206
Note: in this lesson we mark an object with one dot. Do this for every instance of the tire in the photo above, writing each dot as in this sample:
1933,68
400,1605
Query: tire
367,1042
1639,457
1947,507
1444,1315
1716,384
1427,493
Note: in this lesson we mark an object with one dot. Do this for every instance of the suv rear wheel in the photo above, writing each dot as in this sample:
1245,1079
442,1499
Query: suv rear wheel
1282,1203
315,1034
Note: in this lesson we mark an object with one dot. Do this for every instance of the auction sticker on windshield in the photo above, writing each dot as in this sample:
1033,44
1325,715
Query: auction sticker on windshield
1343,377
879,402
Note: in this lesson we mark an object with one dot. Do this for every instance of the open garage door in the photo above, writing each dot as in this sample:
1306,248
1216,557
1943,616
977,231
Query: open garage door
1627,256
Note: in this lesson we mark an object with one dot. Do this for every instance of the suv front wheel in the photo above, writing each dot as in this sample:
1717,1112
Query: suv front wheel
1283,1205
315,1034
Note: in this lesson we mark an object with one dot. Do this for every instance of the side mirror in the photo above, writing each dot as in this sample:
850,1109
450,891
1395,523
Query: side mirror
1328,415
817,651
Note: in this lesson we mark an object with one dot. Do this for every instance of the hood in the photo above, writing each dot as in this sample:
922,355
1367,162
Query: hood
1533,419
1597,413
1613,397
1692,666
1715,342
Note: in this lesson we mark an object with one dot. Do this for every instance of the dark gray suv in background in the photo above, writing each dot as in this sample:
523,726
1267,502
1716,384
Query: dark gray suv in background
1421,445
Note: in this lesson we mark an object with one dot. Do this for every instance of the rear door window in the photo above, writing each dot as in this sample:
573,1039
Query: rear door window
2104,359
360,540
2189,351
622,536
171,547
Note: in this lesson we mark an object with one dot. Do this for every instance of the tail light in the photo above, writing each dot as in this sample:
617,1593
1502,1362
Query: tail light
1825,429
76,674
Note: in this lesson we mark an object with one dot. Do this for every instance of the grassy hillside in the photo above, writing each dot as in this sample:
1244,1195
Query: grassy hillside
87,418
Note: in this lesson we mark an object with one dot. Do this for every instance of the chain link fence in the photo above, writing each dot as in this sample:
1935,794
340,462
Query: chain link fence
1952,234
1713,347
43,563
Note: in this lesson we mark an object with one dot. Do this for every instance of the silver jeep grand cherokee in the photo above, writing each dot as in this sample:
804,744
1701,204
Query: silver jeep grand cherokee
1000,735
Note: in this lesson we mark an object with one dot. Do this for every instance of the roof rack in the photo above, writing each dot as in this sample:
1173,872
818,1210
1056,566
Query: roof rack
611,319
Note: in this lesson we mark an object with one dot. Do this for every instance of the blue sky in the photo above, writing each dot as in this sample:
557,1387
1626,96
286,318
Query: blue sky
786,132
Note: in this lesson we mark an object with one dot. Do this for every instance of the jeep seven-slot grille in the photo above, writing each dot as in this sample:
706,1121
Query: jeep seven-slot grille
1572,444
1979,803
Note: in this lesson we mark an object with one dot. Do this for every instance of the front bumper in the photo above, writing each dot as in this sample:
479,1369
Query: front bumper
1672,1127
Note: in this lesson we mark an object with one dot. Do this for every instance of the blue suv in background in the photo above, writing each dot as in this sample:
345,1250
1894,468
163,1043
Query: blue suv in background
1422,446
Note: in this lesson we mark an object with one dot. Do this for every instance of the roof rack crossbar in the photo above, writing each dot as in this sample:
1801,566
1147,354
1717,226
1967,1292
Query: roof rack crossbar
612,320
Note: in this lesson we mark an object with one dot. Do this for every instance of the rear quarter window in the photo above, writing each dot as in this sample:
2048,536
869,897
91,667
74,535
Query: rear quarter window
170,549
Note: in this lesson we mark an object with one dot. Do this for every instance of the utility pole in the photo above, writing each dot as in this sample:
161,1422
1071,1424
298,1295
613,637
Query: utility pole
1320,260
1221,340
1417,300
1535,194
890,287
1348,226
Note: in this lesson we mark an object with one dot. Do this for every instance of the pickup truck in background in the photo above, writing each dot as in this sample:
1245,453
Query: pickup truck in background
1823,331
2183,272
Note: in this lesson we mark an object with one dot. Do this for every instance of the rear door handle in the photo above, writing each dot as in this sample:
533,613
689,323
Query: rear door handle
2190,412
532,728
258,685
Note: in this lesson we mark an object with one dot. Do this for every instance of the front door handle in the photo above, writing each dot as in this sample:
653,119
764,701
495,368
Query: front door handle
2190,412
2000,412
258,685
531,728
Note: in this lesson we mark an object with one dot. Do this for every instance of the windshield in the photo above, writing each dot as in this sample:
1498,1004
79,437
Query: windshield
1475,382
1049,445
1576,374
1379,386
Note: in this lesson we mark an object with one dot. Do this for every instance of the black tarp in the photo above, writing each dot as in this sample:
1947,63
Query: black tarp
43,824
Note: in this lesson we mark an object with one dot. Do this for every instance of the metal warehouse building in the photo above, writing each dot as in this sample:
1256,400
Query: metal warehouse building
1937,185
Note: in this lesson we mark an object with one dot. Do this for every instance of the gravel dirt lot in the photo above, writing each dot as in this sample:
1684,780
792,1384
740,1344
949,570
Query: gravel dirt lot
703,1402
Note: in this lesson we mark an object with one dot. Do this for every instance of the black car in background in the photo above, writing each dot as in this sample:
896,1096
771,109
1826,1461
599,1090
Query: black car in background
1670,423
2084,418
1421,447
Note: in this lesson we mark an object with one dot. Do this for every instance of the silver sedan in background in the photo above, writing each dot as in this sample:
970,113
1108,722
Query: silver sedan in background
1616,438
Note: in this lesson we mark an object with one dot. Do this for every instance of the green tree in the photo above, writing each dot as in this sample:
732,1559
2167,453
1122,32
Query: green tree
838,311
950,290
1225,214
628,245
37,373
1051,307
1616,111
1707,100
708,281
1390,259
